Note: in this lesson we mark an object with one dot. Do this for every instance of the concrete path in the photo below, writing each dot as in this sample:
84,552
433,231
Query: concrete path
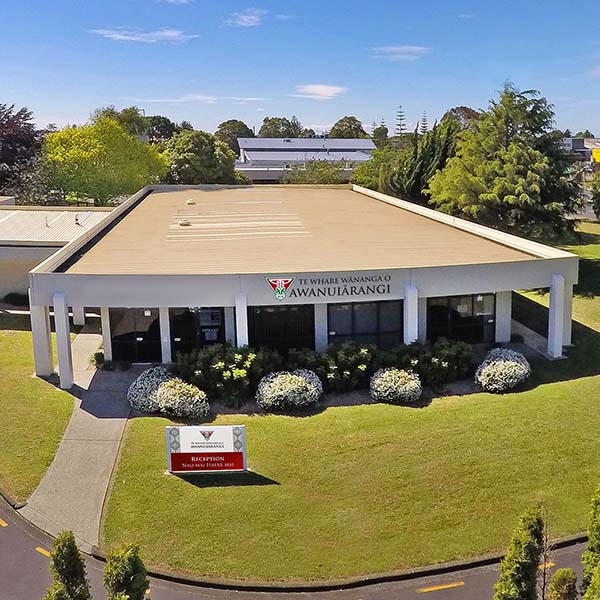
71,495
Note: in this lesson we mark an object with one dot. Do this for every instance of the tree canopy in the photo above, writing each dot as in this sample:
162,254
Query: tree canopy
317,172
510,170
281,127
160,129
463,115
348,128
130,118
198,157
20,141
379,135
100,161
229,131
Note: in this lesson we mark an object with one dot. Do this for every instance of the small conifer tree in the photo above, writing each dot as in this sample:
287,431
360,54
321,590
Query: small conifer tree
591,556
125,575
593,589
563,585
68,570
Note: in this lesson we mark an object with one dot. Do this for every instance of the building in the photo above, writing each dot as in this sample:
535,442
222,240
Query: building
177,267
265,160
587,153
30,234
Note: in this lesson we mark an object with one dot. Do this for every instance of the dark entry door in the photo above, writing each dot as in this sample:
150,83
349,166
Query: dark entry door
282,327
194,328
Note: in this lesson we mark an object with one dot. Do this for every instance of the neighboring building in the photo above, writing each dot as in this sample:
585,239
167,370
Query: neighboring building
265,160
175,267
587,150
29,235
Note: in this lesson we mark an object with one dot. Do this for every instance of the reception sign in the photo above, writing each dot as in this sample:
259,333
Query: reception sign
203,449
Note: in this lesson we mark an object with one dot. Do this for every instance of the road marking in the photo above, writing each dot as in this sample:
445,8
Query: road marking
43,551
3,523
443,586
546,566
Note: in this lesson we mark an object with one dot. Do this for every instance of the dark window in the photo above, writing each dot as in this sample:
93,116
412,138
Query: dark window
196,327
282,327
379,323
135,334
468,318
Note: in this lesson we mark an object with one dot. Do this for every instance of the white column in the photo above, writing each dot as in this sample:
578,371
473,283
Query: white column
165,334
556,317
229,324
42,342
106,335
321,327
241,319
411,314
63,340
78,315
503,316
422,326
568,323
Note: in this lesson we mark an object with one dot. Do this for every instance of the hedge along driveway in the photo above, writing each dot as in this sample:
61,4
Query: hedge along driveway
34,412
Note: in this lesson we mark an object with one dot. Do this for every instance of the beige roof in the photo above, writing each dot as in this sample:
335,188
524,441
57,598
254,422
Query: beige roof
56,226
279,229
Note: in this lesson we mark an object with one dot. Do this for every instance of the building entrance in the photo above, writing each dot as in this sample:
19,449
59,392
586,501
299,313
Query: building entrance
282,327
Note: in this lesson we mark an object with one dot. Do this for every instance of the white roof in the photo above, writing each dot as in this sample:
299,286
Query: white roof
275,144
301,157
52,226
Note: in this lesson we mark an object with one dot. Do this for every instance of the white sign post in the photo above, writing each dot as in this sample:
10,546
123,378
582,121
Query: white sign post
206,449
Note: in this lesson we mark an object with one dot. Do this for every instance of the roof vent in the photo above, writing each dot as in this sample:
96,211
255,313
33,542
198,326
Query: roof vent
184,222
190,201
287,140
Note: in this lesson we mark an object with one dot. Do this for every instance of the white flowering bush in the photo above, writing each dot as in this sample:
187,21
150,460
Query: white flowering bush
502,370
395,386
142,392
180,399
288,391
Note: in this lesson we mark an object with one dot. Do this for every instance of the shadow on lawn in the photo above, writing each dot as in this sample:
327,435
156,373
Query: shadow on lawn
216,480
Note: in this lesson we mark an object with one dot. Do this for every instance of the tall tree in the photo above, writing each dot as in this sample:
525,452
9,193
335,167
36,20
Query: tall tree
423,124
400,129
465,116
131,118
100,161
196,157
160,129
519,569
20,142
349,128
229,131
379,134
280,127
68,570
511,171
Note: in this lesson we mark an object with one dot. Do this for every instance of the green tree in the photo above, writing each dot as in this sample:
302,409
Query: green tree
100,161
131,118
316,172
510,170
125,575
423,124
372,172
186,126
593,589
464,115
591,556
379,135
563,585
196,157
584,134
280,127
160,129
229,131
400,128
348,128
519,569
410,175
308,133
68,570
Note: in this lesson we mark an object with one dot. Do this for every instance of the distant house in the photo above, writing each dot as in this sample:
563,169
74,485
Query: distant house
587,150
265,160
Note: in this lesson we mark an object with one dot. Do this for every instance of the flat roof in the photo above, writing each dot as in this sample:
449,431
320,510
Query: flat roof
278,229
260,143
20,225
285,157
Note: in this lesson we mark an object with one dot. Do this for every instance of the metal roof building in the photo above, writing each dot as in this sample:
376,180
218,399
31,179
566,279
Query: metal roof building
267,159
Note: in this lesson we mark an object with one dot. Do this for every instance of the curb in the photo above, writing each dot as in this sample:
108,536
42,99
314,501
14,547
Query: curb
339,584
10,500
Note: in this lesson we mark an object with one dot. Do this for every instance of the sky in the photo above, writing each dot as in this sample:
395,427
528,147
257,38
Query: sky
206,61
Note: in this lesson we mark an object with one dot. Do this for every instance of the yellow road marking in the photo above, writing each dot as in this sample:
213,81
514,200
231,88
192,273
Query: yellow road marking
443,586
3,523
43,551
546,566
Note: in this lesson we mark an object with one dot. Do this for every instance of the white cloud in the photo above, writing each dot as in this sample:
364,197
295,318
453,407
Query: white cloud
400,53
250,17
318,91
123,34
198,99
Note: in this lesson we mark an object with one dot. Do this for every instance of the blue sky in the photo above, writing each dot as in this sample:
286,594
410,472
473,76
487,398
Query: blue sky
206,60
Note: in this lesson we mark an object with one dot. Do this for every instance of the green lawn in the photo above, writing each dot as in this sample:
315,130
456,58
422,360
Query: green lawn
35,413
366,489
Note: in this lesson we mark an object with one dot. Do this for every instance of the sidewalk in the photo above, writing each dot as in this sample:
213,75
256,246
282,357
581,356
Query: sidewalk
71,494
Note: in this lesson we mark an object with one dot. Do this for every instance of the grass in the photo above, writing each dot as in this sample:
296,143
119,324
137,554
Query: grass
35,413
366,489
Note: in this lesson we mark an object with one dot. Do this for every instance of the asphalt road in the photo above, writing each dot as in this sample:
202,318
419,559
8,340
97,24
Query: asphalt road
24,575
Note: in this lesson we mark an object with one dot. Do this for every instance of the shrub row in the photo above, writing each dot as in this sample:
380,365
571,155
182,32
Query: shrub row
233,374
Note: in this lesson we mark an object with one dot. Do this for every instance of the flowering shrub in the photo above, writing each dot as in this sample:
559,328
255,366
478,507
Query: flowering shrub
142,392
350,365
395,386
285,390
502,370
180,399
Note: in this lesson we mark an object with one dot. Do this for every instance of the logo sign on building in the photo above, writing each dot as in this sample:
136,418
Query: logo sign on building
203,449
280,286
